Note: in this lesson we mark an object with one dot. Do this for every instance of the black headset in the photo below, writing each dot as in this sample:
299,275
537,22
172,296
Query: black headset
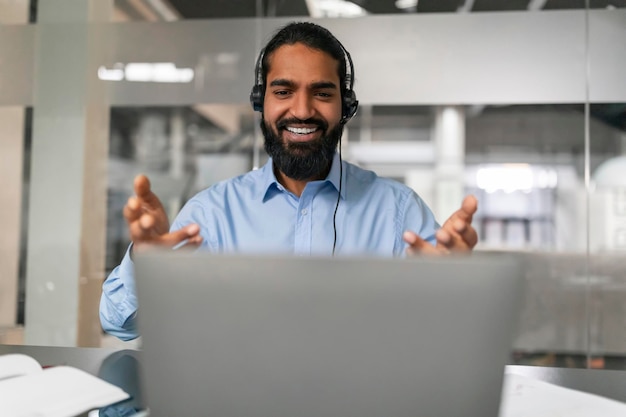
349,102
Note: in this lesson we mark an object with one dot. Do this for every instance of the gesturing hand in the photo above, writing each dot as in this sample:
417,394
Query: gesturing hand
147,220
455,235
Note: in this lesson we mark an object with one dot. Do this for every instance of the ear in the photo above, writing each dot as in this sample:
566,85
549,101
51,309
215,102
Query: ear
349,107
256,98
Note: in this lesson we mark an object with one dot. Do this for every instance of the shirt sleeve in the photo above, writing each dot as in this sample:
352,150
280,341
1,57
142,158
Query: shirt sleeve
118,303
420,219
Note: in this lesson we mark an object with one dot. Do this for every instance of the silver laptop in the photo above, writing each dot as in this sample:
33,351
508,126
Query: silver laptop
227,335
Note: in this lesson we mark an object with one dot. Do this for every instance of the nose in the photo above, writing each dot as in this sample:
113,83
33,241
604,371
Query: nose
302,107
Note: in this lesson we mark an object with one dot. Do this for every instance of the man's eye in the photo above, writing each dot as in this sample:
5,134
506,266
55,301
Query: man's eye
325,95
281,92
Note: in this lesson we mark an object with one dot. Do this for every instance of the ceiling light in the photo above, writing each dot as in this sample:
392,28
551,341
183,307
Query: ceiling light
111,74
159,72
334,8
406,4
508,178
515,177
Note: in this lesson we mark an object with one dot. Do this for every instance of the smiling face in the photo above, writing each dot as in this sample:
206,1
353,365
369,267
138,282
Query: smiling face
302,111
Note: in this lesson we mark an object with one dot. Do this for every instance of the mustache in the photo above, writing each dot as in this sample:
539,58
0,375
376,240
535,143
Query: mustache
283,123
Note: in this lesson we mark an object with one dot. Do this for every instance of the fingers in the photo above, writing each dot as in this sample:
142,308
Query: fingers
457,242
467,210
418,246
141,184
444,237
188,237
468,235
144,213
469,206
132,210
134,206
457,233
143,191
141,228
457,236
140,223
146,221
191,233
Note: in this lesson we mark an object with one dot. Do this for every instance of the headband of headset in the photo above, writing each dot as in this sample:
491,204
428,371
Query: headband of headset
349,102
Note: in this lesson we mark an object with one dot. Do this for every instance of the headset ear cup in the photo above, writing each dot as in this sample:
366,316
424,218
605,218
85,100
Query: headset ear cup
256,98
350,105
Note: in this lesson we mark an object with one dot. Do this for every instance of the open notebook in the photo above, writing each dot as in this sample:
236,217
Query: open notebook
27,389
233,335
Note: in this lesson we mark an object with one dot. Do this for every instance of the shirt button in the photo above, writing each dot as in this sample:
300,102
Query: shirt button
304,212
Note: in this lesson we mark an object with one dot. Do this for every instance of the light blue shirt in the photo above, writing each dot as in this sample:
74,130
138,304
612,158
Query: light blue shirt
254,213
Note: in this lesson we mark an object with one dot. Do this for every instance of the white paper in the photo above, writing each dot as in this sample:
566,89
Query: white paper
527,397
59,391
16,364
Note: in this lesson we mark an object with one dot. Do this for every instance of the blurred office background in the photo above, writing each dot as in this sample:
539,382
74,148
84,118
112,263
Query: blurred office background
520,102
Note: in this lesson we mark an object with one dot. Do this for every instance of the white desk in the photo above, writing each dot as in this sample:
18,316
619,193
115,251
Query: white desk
121,367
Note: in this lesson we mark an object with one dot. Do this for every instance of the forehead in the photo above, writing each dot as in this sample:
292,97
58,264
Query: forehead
299,62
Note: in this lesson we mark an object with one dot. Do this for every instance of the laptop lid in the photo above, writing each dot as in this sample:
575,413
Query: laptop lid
227,335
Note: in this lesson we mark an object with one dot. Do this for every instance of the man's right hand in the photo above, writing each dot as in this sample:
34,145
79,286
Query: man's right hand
147,220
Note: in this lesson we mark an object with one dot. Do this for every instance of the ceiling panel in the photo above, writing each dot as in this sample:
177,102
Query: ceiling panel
439,6
499,5
378,6
194,9
581,4
564,4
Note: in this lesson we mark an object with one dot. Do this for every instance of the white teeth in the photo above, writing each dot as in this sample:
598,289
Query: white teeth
301,130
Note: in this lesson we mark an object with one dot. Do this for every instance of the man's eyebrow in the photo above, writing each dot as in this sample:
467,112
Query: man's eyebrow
283,82
323,85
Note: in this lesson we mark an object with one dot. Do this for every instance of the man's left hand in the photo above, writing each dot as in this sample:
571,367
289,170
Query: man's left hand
456,234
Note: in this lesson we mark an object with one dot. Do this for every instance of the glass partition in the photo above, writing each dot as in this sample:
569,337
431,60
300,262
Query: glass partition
16,76
606,219
518,104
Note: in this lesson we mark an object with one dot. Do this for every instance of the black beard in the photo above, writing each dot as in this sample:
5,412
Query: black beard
302,160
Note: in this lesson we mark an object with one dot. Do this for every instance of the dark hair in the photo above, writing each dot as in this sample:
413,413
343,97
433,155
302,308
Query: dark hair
314,36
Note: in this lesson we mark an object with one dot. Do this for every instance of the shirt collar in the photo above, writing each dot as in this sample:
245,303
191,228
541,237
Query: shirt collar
334,175
269,183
